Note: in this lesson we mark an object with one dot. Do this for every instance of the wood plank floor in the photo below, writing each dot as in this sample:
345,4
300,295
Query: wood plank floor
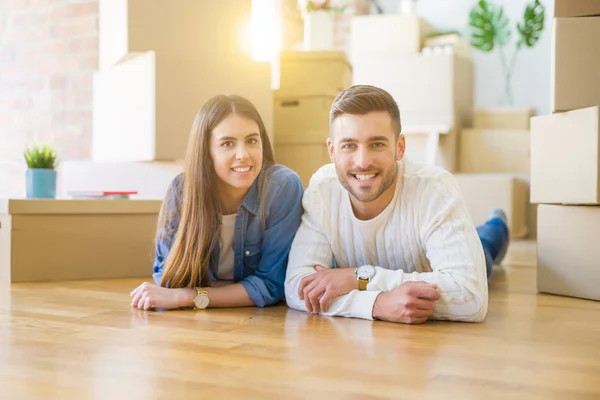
81,340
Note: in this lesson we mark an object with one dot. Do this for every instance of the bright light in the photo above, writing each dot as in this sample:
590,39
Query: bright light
266,30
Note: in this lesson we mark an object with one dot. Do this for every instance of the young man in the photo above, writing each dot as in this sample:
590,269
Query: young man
382,238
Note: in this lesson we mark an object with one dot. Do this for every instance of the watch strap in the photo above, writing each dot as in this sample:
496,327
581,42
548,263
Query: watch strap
362,284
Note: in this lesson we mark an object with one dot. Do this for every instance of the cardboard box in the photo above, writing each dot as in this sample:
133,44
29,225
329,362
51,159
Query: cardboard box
568,250
575,56
576,8
494,151
54,240
144,107
305,154
532,219
450,42
484,192
150,179
565,159
300,114
184,28
314,72
390,34
502,118
429,89
429,146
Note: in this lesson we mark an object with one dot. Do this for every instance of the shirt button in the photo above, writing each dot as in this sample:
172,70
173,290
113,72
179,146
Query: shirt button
239,229
247,252
238,260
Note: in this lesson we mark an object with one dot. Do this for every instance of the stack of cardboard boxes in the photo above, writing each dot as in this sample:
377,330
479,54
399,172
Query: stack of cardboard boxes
309,82
434,91
565,157
159,63
494,167
431,79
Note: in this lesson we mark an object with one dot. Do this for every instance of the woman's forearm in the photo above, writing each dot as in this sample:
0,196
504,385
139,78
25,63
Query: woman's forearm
234,295
221,295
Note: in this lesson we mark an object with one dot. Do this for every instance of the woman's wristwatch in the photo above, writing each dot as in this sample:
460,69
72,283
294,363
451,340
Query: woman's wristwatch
201,300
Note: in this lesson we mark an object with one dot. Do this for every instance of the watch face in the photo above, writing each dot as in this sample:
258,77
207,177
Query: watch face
202,301
365,272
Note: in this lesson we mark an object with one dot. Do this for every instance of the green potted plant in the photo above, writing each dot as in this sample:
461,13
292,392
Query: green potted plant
490,30
41,174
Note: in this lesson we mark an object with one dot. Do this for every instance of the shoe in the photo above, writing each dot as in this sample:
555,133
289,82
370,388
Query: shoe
498,214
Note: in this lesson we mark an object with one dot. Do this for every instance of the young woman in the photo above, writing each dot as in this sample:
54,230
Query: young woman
227,223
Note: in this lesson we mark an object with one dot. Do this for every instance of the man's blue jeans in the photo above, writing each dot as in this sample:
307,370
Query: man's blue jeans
494,238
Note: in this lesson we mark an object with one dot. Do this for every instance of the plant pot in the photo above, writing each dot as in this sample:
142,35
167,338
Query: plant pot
407,7
319,29
40,183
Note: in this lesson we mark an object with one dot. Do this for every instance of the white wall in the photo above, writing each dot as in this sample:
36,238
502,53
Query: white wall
531,76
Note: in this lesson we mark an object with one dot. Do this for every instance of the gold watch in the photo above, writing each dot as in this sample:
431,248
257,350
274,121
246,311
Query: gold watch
201,300
364,273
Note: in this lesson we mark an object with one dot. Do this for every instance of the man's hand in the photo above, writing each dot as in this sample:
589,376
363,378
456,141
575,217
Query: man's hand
148,296
408,303
318,289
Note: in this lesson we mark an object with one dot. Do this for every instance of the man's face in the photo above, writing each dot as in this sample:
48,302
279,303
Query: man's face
365,151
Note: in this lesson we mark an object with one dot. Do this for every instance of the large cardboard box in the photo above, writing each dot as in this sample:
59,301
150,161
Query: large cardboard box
576,8
429,89
575,76
568,250
150,179
204,29
502,118
565,157
314,72
494,151
53,240
484,192
305,154
390,34
144,107
295,113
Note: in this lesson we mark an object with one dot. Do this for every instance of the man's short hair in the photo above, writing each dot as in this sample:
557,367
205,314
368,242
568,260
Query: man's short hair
363,99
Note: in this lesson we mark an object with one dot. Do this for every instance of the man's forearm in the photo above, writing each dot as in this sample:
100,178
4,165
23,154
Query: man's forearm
463,294
356,304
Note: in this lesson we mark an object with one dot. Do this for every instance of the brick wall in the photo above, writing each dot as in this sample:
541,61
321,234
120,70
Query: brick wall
48,54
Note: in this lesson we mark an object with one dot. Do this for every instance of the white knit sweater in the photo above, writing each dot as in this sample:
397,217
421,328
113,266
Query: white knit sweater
424,234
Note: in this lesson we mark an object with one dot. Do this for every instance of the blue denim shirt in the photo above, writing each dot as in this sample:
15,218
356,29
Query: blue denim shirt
260,252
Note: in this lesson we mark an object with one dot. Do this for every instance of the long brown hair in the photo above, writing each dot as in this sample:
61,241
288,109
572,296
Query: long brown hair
199,211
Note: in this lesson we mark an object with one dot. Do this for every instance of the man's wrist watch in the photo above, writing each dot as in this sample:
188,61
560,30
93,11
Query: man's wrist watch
364,273
201,300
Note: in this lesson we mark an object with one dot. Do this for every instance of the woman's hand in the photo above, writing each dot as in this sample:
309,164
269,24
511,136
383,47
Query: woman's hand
148,296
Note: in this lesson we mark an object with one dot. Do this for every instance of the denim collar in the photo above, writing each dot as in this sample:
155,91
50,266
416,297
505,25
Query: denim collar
251,200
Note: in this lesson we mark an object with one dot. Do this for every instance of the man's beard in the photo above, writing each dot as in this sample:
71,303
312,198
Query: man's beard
387,180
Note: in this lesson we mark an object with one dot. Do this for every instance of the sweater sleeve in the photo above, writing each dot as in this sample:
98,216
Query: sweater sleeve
311,247
454,251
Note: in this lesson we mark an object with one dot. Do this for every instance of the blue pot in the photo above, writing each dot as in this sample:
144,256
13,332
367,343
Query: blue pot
40,183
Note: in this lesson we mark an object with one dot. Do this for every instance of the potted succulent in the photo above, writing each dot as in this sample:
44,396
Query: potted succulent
41,174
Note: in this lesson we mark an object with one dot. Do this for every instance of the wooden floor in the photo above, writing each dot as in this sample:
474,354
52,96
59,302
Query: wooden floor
81,340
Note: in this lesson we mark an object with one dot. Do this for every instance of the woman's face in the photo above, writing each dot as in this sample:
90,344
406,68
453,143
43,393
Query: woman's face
237,153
